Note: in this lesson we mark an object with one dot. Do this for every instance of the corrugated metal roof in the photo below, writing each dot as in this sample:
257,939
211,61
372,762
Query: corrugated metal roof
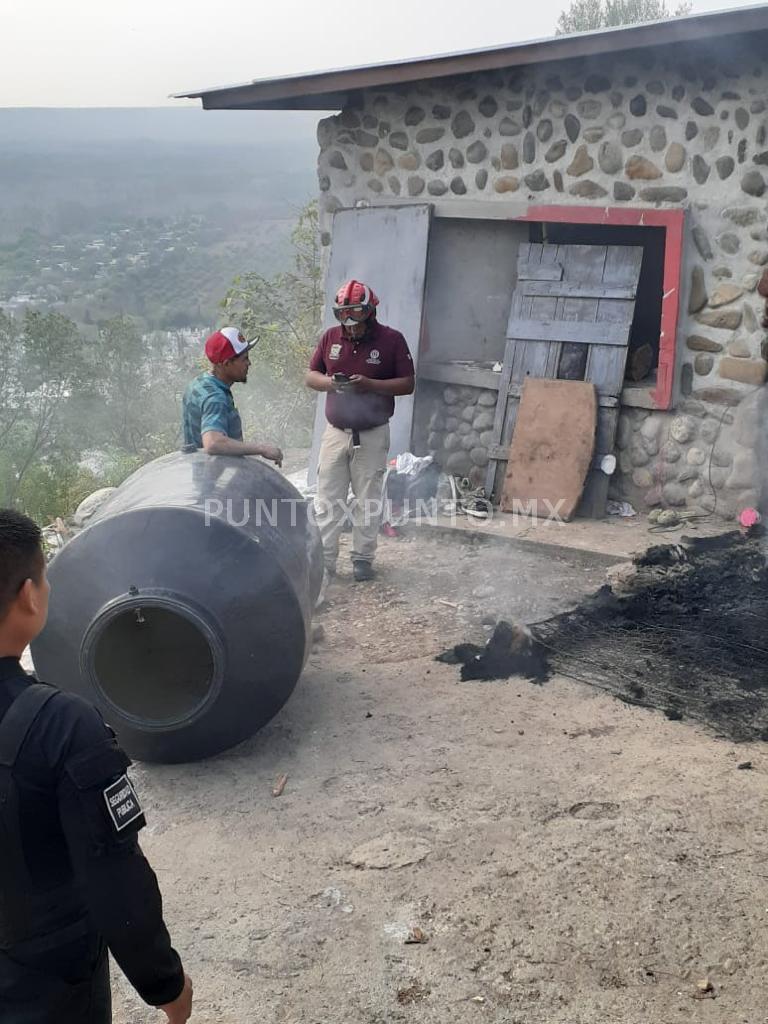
330,90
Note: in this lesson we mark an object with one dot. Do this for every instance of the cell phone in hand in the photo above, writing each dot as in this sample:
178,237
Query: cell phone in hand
340,378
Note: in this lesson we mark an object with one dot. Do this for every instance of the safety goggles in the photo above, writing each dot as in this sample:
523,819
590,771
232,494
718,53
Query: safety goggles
356,314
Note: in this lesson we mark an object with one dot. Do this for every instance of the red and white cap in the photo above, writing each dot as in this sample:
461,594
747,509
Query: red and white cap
227,343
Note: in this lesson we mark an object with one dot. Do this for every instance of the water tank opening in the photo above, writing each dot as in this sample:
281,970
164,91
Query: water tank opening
154,664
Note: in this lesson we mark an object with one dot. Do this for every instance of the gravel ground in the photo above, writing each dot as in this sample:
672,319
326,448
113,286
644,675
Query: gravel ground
567,859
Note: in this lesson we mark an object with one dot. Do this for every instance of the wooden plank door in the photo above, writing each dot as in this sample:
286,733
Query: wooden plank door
386,247
570,319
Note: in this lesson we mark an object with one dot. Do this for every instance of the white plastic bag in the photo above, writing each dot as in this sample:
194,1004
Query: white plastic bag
620,508
411,465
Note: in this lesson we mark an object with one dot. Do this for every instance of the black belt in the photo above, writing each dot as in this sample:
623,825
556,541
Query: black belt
357,431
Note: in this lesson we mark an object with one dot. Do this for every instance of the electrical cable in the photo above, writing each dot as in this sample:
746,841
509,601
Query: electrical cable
691,517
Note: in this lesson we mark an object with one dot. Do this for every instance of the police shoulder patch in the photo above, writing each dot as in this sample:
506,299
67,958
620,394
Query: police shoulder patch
122,803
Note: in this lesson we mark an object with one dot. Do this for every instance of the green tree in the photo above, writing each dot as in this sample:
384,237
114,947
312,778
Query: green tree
77,415
589,15
44,368
55,488
137,402
285,312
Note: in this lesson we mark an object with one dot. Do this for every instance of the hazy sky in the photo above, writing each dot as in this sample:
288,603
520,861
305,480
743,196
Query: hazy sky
87,53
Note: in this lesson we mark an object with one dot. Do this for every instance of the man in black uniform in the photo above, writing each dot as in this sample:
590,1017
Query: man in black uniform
73,879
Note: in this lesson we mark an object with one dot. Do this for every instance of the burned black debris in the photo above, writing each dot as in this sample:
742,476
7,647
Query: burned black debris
512,650
685,634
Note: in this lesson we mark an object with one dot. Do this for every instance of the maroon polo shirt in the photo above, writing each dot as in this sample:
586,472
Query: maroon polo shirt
382,354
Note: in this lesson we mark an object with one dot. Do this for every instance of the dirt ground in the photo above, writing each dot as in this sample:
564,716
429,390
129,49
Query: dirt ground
568,859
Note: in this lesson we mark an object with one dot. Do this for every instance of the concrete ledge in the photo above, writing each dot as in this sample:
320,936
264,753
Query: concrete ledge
613,539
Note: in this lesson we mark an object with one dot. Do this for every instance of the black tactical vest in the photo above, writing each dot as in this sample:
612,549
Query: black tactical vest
33,918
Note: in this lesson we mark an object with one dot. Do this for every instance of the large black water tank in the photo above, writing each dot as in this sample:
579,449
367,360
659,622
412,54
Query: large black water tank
184,610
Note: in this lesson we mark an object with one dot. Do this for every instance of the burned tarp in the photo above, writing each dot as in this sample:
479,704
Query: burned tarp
511,650
685,633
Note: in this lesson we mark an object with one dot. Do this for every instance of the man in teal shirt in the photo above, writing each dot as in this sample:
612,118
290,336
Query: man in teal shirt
210,419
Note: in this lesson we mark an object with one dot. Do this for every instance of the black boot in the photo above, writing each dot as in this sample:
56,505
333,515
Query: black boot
362,571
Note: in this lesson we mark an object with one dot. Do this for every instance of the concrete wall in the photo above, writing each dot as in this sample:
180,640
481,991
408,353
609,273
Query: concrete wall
471,276
689,129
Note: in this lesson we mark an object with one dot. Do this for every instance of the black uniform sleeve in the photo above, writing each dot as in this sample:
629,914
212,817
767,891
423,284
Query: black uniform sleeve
101,816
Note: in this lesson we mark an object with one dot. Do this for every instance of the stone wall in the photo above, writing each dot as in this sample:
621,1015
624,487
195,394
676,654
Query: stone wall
460,429
707,457
648,130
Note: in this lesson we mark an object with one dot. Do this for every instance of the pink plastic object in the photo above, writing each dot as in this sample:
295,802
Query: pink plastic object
749,517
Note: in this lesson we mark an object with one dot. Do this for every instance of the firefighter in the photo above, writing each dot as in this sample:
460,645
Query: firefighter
362,366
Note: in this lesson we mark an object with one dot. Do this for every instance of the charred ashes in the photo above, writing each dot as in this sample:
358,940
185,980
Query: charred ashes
512,650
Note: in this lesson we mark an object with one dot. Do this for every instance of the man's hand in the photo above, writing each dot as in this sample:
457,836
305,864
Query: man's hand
272,454
180,1010
319,381
393,386
361,383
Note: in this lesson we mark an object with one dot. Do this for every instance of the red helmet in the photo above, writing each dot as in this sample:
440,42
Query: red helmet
354,301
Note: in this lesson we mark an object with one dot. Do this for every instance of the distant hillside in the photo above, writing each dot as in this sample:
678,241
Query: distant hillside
62,166
194,197
73,126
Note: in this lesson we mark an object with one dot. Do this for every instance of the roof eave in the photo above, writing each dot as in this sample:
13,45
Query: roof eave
330,90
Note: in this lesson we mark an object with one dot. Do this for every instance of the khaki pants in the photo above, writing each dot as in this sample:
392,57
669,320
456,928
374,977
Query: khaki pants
363,468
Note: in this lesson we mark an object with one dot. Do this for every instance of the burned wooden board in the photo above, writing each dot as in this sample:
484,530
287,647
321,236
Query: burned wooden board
552,447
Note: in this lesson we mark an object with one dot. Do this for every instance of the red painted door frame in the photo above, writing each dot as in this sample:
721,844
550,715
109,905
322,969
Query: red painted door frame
672,222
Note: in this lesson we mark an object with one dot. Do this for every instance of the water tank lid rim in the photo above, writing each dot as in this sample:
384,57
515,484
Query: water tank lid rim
155,597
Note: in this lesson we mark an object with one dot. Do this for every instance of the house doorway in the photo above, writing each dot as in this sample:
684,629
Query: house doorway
471,282
645,336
